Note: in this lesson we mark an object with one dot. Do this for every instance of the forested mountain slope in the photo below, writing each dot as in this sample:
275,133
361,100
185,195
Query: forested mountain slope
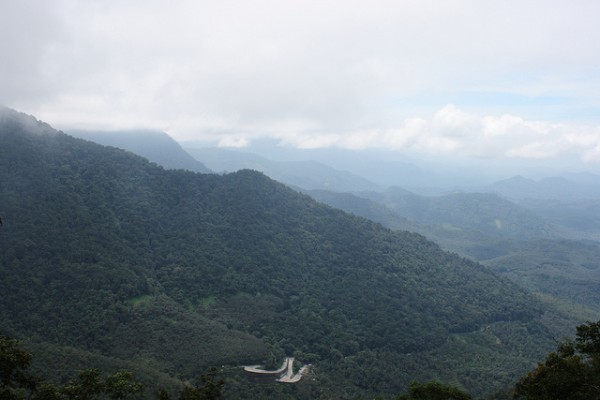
477,225
174,271
484,212
561,270
564,269
354,204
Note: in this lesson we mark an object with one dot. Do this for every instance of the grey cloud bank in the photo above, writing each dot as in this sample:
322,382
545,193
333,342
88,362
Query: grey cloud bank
481,79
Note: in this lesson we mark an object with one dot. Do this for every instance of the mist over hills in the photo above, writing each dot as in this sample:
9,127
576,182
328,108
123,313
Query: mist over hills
305,174
380,169
419,173
487,213
571,188
173,271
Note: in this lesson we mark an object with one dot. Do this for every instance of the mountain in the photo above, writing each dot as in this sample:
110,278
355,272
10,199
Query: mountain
574,187
304,174
569,203
171,271
578,219
385,168
156,146
483,212
463,240
365,208
562,271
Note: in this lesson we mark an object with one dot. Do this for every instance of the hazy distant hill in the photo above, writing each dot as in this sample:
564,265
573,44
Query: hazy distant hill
304,174
575,187
366,208
566,272
570,203
156,146
564,269
483,212
382,167
172,271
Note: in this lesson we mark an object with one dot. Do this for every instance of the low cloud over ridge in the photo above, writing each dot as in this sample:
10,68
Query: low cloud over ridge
466,78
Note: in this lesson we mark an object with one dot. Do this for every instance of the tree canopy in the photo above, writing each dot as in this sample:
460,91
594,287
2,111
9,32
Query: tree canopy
17,383
104,254
434,391
572,372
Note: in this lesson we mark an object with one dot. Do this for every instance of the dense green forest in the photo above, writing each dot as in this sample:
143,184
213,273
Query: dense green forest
484,212
570,373
107,257
477,225
552,262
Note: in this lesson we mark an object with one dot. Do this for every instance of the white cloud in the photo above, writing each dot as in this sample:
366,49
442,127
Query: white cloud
314,73
312,140
452,131
28,31
237,142
592,155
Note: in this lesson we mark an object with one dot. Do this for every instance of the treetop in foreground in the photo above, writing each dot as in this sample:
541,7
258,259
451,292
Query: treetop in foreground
572,372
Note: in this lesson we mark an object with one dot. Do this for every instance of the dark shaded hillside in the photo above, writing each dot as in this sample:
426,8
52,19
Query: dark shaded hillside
78,262
172,270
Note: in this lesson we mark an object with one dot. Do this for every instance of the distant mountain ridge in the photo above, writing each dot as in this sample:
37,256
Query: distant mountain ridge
307,175
366,208
156,146
174,271
571,188
484,212
550,261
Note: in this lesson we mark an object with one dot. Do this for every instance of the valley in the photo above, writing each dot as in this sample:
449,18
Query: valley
112,259
541,234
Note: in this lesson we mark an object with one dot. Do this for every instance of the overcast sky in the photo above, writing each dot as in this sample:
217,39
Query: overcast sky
487,79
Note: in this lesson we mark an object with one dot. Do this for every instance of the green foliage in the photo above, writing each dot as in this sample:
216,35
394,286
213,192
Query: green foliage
47,391
90,384
87,385
565,270
174,271
15,381
570,373
434,391
208,387
487,213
